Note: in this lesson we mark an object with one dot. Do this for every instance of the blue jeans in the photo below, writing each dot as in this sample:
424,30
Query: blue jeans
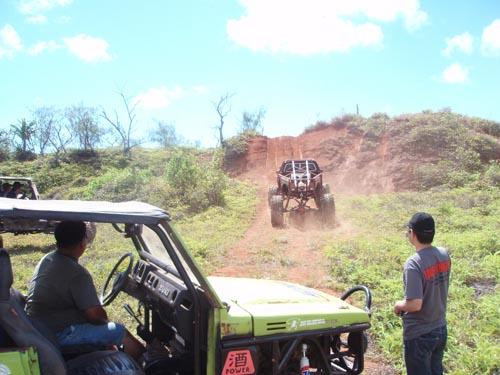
91,334
424,354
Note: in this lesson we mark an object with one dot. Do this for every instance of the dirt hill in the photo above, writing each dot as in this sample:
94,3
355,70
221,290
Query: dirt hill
347,168
381,154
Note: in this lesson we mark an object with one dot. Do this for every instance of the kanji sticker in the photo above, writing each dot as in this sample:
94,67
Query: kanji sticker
239,362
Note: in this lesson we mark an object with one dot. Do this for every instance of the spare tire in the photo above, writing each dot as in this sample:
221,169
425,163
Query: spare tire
104,362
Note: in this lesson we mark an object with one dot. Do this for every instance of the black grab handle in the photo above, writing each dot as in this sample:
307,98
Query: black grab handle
368,295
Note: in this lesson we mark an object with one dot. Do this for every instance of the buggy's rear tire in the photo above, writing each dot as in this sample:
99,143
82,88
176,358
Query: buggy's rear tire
277,211
326,189
273,190
327,209
104,363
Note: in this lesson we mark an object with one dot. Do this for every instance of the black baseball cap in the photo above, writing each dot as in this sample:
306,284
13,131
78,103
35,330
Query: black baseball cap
422,223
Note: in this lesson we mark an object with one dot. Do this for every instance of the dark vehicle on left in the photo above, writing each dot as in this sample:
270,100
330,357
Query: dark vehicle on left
27,190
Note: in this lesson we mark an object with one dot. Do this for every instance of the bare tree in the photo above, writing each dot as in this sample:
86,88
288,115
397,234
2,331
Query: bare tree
124,132
61,137
165,135
223,107
252,121
46,119
85,125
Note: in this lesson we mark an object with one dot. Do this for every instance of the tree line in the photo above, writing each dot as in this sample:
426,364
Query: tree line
56,130
52,130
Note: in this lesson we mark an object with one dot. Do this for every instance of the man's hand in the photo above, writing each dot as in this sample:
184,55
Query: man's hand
407,305
397,309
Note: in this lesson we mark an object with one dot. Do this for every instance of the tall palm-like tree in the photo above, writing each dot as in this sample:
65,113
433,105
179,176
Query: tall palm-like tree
24,130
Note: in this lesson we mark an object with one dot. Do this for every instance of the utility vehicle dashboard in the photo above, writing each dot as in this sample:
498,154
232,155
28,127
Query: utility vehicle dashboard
166,294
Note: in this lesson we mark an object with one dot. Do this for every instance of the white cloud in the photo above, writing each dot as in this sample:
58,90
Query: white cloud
462,43
200,89
42,47
63,19
415,18
318,26
490,44
10,42
390,11
156,98
37,6
38,19
455,73
88,48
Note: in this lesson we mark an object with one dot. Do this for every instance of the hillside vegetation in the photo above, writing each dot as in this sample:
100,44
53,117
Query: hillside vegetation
442,163
415,152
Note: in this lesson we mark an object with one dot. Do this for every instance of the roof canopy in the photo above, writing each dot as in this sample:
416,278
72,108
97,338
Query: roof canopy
94,211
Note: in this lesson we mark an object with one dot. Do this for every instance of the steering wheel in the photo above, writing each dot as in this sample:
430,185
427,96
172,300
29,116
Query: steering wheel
119,280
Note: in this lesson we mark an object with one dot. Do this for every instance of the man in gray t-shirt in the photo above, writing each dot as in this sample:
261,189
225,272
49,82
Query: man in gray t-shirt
63,298
60,291
426,281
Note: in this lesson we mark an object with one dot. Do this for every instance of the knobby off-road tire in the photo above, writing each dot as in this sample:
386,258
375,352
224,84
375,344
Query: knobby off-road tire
277,211
326,189
273,190
327,209
104,363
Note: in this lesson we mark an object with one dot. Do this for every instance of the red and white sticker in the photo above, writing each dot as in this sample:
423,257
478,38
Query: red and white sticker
239,362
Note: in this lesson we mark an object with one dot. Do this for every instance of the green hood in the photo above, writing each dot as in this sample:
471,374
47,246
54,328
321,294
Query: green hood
264,307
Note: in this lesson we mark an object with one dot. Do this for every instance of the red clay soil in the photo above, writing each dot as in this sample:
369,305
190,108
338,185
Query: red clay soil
295,253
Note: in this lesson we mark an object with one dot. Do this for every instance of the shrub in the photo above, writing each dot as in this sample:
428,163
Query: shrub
21,155
486,146
120,185
237,146
492,174
196,186
317,126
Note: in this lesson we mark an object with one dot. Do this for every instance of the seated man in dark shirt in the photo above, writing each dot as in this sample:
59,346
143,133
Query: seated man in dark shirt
14,191
5,189
62,296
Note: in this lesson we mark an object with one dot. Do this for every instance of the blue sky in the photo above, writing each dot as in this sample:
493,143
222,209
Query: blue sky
300,60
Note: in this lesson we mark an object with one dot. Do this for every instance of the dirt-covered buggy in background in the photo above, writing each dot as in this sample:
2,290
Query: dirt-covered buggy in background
298,182
28,190
207,325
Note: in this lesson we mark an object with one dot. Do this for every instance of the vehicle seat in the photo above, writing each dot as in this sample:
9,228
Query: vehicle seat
19,328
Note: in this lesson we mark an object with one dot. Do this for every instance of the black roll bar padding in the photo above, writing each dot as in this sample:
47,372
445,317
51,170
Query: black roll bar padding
368,296
6,275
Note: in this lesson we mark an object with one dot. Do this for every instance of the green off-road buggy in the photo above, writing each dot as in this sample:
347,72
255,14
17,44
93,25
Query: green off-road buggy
206,325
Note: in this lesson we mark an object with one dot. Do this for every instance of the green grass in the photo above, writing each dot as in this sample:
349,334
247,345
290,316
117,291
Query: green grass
467,224
210,233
